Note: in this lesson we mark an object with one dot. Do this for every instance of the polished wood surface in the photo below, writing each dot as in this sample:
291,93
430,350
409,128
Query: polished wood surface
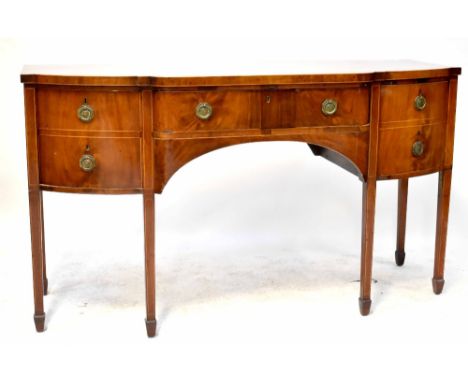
401,221
114,110
303,107
172,153
145,127
397,97
232,110
369,190
395,150
35,207
149,211
117,162
443,198
270,73
402,125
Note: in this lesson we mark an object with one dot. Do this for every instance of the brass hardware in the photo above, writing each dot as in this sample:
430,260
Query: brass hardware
85,112
87,162
203,110
329,107
268,99
418,148
420,102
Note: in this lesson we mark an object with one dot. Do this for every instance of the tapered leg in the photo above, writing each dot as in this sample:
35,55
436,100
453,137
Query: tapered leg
149,212
401,223
443,201
44,271
367,239
35,215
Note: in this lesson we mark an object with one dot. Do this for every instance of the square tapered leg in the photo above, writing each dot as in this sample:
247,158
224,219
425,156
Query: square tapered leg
443,201
367,239
150,279
401,221
35,214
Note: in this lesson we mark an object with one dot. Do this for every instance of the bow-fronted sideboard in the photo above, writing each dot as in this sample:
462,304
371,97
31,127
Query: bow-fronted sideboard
92,131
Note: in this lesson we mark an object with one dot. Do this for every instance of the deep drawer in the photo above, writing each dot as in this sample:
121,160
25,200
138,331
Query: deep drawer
68,162
411,149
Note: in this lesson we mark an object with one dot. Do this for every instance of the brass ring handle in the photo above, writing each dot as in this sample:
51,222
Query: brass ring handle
85,113
87,162
420,102
329,107
418,148
203,110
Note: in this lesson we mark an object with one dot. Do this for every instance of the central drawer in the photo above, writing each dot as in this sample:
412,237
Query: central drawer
334,106
229,110
212,110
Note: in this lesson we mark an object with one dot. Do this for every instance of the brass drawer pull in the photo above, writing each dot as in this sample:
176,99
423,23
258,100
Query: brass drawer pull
420,102
85,112
87,162
203,110
418,148
329,107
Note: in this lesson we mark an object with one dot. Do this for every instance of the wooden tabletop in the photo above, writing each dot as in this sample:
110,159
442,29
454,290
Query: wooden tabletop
231,74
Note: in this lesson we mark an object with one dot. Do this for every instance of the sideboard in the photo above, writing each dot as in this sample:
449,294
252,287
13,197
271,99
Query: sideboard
92,131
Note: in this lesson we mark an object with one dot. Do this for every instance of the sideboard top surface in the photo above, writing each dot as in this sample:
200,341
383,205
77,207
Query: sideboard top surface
235,74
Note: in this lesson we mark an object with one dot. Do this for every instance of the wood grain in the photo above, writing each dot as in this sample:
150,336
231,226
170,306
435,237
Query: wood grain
113,110
353,106
172,154
443,203
149,211
443,198
117,162
398,103
232,110
313,72
35,207
401,221
395,150
369,190
145,129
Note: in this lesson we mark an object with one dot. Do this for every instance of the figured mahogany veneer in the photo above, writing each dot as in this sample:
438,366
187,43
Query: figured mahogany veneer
302,107
401,126
233,110
116,110
118,163
97,133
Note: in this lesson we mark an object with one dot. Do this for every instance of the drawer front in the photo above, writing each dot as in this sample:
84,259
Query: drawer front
206,110
88,110
315,107
420,103
412,128
413,149
95,163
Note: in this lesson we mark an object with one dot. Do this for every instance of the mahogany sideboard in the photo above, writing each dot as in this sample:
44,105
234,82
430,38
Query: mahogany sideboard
95,132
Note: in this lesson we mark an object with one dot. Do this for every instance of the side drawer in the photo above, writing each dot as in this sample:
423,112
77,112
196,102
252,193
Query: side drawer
399,102
116,160
412,128
411,149
110,110
178,111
